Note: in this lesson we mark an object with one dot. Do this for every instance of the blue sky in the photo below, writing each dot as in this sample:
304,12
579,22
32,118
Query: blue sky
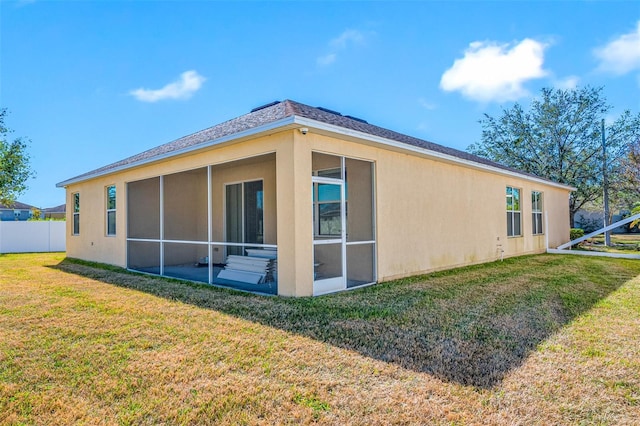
92,82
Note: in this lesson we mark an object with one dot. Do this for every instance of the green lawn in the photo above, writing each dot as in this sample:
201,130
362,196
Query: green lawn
620,243
533,340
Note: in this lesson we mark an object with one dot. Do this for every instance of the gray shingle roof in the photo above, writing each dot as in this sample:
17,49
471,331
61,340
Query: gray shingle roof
17,205
62,208
278,111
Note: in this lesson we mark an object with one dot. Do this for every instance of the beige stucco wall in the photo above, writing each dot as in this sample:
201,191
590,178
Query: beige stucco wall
92,243
433,215
430,214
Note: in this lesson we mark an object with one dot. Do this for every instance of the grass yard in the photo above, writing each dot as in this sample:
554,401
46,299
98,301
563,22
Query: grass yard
532,340
620,243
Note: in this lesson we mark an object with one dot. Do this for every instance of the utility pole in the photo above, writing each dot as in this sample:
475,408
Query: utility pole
605,185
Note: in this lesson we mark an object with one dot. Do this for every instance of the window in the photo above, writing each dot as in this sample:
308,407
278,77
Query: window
111,210
513,212
76,213
329,211
536,212
327,208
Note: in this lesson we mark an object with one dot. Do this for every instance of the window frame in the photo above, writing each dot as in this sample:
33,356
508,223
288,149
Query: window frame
110,211
513,200
536,212
329,173
75,223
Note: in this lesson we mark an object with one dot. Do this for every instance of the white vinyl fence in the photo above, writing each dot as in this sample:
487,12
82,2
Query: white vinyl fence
25,237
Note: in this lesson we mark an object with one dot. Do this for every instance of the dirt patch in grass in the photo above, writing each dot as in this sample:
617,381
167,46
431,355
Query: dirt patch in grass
535,340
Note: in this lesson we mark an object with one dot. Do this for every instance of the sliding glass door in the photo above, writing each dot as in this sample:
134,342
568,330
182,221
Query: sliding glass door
244,218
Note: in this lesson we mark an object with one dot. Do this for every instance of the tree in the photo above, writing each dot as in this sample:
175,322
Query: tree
14,164
36,214
624,172
635,211
559,138
630,171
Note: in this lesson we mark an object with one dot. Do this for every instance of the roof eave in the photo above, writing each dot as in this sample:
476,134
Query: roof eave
265,128
308,122
303,121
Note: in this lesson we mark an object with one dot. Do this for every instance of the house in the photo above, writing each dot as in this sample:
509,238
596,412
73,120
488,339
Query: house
57,212
297,201
591,220
16,211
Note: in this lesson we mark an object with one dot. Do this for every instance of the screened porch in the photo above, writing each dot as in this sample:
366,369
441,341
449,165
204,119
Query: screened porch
215,225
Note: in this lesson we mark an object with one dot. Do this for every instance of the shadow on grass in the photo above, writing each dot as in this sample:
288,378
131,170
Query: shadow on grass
470,325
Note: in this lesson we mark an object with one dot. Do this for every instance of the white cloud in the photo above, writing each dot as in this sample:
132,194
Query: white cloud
326,59
347,39
183,88
426,104
495,72
570,82
621,55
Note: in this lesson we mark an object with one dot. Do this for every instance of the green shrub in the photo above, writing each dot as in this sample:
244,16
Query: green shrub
576,233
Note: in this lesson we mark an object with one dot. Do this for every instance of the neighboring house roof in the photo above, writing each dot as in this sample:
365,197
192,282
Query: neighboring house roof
17,205
62,208
282,114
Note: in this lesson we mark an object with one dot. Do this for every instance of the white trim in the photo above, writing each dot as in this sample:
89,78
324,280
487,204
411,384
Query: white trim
316,208
374,219
513,212
327,241
216,243
282,123
213,243
326,180
184,242
356,243
537,212
329,285
75,213
209,223
343,218
594,253
161,224
307,122
600,231
108,210
144,240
